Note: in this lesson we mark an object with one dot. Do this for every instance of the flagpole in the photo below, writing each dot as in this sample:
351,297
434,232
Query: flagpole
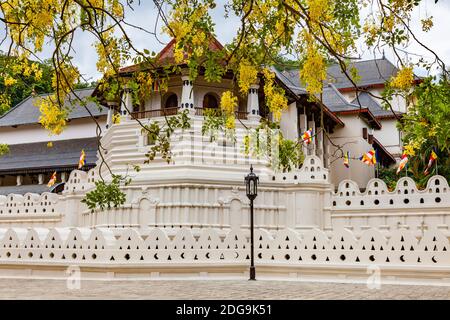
436,166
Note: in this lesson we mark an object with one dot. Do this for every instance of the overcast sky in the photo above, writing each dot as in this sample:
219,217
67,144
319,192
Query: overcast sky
145,16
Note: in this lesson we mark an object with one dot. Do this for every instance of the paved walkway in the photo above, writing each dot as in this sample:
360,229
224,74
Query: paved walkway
184,289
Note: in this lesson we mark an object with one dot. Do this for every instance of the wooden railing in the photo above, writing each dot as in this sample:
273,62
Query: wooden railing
154,113
242,115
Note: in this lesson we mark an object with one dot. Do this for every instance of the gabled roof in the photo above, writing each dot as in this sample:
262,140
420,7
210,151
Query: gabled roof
372,73
375,71
38,158
386,157
337,103
166,55
289,85
366,100
26,111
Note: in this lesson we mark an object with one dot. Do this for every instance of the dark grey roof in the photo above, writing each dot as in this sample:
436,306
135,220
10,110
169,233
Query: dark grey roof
26,111
288,77
37,157
376,71
335,101
366,100
23,189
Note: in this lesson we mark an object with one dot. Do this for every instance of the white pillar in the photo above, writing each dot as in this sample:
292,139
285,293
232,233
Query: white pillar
253,103
303,122
187,95
19,180
319,144
40,178
312,145
63,176
126,105
326,152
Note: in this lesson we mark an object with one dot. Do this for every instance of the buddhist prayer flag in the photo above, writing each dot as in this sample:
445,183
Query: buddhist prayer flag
307,136
369,158
402,163
82,159
155,85
52,180
346,160
433,157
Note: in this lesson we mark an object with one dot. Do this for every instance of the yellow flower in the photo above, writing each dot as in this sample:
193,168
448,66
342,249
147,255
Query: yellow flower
116,118
247,76
49,144
230,123
276,101
9,81
228,102
404,79
409,150
52,117
178,54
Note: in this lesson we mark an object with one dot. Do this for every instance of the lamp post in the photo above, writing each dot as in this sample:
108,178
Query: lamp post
251,183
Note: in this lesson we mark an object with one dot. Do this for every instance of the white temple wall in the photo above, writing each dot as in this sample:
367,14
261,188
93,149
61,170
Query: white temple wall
398,102
405,207
340,256
351,139
76,129
288,122
389,136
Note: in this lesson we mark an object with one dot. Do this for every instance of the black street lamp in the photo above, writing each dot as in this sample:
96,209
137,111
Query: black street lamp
251,183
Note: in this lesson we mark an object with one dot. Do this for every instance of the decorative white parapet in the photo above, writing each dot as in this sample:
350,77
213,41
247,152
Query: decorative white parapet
31,210
406,206
285,254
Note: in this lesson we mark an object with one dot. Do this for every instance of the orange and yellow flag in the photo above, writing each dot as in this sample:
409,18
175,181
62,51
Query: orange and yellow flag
52,180
82,159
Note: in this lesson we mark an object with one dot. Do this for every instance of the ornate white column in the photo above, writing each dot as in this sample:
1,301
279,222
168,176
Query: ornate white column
111,108
40,178
187,95
126,105
320,136
303,123
253,103
63,176
19,180
312,145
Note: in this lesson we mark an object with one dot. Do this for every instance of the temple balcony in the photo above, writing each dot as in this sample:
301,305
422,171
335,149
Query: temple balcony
241,115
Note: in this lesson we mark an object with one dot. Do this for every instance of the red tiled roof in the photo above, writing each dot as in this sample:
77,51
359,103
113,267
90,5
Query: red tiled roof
166,55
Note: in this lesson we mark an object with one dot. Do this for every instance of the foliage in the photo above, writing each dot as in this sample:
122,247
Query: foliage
106,195
4,149
426,122
20,79
313,32
159,136
214,122
267,141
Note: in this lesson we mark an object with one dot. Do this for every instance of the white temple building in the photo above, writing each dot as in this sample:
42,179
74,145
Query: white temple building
190,217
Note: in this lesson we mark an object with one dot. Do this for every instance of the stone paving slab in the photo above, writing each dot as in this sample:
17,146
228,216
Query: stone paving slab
211,289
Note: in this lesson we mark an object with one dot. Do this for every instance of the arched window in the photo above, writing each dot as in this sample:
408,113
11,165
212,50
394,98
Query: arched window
171,101
210,101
